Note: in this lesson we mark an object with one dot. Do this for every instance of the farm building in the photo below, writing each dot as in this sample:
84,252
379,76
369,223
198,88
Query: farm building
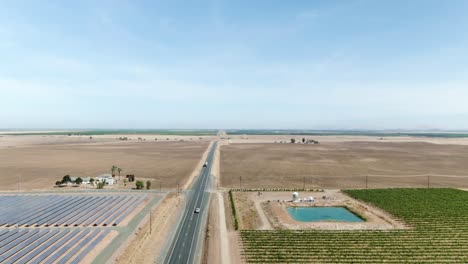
106,178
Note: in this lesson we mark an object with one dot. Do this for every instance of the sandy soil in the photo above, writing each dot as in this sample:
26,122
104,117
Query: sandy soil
339,165
40,165
276,212
213,235
247,213
145,247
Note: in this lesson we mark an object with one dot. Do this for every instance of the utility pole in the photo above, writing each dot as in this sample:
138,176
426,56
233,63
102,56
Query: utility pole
178,188
151,218
366,181
240,182
160,188
303,187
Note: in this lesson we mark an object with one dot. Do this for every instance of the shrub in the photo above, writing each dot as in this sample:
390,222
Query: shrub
66,179
139,185
148,185
79,180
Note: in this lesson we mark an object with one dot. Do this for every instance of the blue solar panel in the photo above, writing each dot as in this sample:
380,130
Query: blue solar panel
99,207
64,217
89,248
66,247
78,247
32,246
50,212
3,232
110,210
43,247
14,236
54,246
127,211
62,211
25,219
97,203
51,245
17,241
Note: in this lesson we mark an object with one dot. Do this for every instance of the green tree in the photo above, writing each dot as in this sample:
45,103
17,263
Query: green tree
139,185
148,185
100,185
293,140
79,180
66,179
119,170
91,180
113,168
58,183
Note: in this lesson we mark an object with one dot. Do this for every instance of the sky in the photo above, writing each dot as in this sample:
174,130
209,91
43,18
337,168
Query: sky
276,64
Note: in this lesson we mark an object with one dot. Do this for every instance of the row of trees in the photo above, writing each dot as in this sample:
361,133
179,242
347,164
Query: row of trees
305,141
114,169
67,179
140,185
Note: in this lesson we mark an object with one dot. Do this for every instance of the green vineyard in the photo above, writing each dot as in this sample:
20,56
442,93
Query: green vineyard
439,233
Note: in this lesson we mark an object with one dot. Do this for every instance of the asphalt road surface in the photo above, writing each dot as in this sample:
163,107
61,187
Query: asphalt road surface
184,246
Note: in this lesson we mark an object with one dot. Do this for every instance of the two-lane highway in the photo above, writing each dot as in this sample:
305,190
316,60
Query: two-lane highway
184,246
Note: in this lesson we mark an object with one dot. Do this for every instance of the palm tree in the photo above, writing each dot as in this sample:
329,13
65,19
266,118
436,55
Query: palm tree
113,170
119,170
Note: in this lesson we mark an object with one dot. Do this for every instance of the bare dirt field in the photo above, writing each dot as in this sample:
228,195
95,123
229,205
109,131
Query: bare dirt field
36,162
345,164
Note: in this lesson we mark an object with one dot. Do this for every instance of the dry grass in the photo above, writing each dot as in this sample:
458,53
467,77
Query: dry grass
344,165
39,166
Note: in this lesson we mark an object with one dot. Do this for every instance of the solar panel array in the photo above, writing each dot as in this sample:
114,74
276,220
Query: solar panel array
48,245
66,210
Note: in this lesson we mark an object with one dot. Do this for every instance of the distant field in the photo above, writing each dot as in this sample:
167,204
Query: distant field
440,235
120,132
339,165
349,133
40,166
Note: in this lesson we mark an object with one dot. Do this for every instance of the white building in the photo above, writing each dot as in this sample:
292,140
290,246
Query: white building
295,197
106,178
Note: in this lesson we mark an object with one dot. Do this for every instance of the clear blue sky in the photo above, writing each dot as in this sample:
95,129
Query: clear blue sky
234,64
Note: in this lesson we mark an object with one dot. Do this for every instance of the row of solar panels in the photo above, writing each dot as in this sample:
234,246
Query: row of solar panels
66,210
48,245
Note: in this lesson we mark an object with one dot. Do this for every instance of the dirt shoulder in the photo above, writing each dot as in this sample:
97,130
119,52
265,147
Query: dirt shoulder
145,247
196,171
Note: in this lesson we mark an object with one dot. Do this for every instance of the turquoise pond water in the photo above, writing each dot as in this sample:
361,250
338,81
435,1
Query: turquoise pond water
318,214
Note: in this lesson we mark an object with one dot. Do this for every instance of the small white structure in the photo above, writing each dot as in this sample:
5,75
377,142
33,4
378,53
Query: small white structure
311,199
295,197
86,180
106,178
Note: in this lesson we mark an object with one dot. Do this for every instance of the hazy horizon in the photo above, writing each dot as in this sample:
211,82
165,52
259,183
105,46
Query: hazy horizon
315,65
